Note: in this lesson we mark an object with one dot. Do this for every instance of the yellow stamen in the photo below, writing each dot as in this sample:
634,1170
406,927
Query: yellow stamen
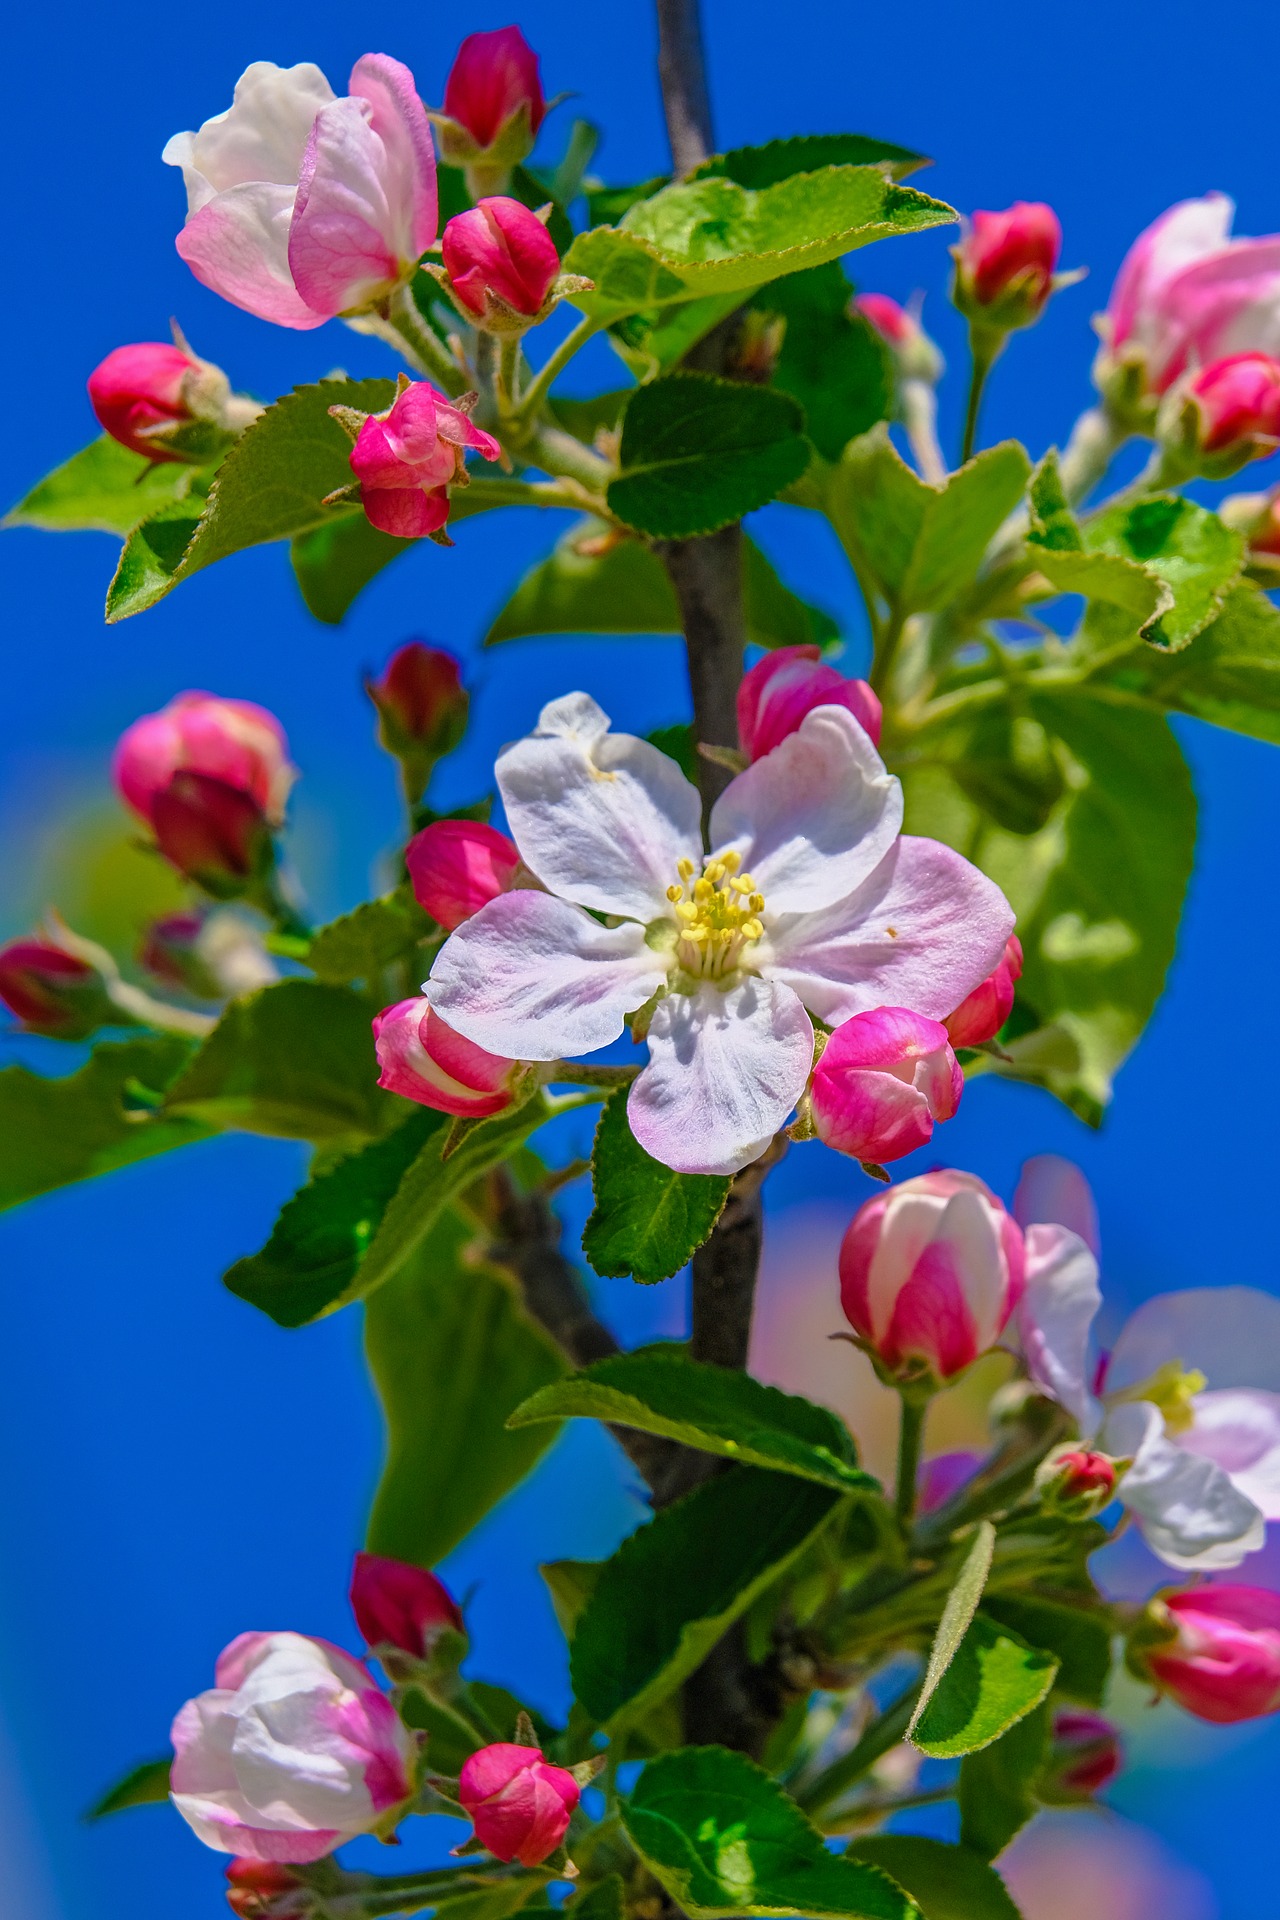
719,920
1172,1388
674,894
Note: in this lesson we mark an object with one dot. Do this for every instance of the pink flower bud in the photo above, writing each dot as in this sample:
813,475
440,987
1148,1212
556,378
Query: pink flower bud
777,693
892,322
264,1890
944,1476
398,1605
1224,1662
518,1803
427,1061
883,1080
1085,1753
1238,403
214,834
422,703
1257,517
1005,264
981,1015
930,1272
917,356
232,741
293,1751
52,991
407,458
458,866
140,392
208,955
1076,1482
494,78
501,251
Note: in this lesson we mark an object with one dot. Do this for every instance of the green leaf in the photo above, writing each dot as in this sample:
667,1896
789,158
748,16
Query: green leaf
103,488
1053,523
676,1586
601,1902
451,1354
1079,1638
570,1584
505,1897
324,1231
1009,764
146,1785
53,1132
1230,676
662,1391
1195,554
832,360
723,1838
698,452
947,1883
1119,583
360,944
995,1795
656,341
648,1221
962,1604
807,153
993,1679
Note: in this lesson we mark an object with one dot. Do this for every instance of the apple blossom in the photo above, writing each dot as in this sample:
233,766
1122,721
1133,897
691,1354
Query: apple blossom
1077,1482
1005,264
981,1015
232,741
424,1060
883,1079
406,459
293,1751
52,991
421,701
493,107
916,354
1085,1754
780,689
518,1802
457,866
159,400
501,262
303,205
401,1606
209,955
1219,1656
212,833
1224,415
810,900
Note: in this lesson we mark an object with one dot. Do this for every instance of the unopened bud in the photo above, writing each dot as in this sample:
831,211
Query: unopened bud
211,956
518,1802
1077,1482
884,1079
1085,1753
1214,1649
1005,266
1257,516
164,403
424,1060
493,108
402,1609
1222,417
422,710
53,992
980,1016
916,354
457,866
264,1890
501,265
213,833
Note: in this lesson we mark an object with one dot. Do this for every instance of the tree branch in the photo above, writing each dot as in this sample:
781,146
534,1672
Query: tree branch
706,575
682,70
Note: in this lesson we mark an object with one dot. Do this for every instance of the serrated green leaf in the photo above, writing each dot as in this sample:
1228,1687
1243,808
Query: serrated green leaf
373,935
718,1411
1119,583
947,1883
995,1793
1078,1637
723,1838
1229,676
698,452
962,1604
991,1681
570,1584
648,1221
1053,522
1195,554
146,1785
104,488
831,360
451,1353
806,153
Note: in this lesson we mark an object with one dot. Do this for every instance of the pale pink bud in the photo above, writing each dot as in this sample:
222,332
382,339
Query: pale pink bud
421,701
423,1059
943,1476
883,1080
494,77
1005,263
401,1606
500,249
1224,1663
138,392
52,991
1238,403
930,1272
293,1751
518,1803
776,694
1085,1753
407,458
981,1015
214,834
232,741
917,356
264,1890
458,866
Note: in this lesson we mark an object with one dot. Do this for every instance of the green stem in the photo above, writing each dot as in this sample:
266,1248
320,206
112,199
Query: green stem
985,349
558,452
920,419
910,1436
510,354
887,642
538,388
831,1785
424,350
869,1812
572,1072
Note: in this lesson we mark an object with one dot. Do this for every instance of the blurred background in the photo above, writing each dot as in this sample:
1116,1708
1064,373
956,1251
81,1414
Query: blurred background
175,1468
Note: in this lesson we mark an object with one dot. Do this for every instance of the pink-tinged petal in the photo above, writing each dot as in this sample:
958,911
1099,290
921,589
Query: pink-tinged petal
400,122
725,1070
378,463
1189,1511
537,979
602,818
1185,233
922,931
262,136
1226,303
422,1059
457,866
500,247
1052,1191
238,245
1239,1429
1054,1318
874,1116
814,818
779,690
931,1316
406,512
1230,1334
943,1476
341,242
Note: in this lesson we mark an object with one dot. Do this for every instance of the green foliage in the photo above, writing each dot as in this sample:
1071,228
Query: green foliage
1230,675
360,944
723,1838
947,1883
991,1681
145,1785
677,1585
831,360
1191,551
715,1409
698,452
601,1902
104,488
807,153
1079,1638
648,1221
491,1903
996,1798
451,1354
962,1604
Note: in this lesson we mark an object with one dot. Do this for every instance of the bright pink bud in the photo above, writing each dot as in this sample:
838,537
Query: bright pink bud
493,77
1006,261
499,248
216,835
1238,401
981,1016
518,1803
930,1272
398,1605
944,1476
141,390
917,356
52,991
259,1889
892,322
1076,1482
1224,1664
777,693
421,701
234,742
458,866
883,1080
407,458
1085,1752
423,1059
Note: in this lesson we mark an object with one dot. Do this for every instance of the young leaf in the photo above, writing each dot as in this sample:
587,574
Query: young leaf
698,452
711,1408
1053,524
104,488
1078,1637
648,1221
946,1882
451,1354
1230,676
1195,554
992,1680
723,1838
1119,583
962,1604
996,1800
145,1785
360,944
675,1587
831,360
570,1584
806,153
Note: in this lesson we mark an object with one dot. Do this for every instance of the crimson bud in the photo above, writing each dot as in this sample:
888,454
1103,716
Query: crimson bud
502,264
493,108
1214,1649
1085,1753
1077,1482
214,834
518,1803
424,1060
257,1890
981,1015
1005,265
422,710
401,1606
777,693
883,1080
162,402
52,991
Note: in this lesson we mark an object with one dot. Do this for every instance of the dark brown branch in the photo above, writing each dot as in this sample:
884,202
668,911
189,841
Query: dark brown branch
682,70
707,577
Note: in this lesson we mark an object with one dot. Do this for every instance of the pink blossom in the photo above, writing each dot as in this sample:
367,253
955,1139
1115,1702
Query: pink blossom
1238,403
883,1080
1005,263
302,205
421,701
917,357
401,1606
494,77
214,834
891,321
500,249
407,458
423,1059
138,392
293,1751
52,991
780,689
518,1803
930,1273
231,741
1085,1754
981,1016
458,866
1224,1663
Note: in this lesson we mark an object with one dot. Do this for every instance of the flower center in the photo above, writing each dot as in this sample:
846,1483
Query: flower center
718,916
1172,1388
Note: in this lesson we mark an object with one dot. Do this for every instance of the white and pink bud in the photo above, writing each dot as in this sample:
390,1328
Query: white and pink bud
160,401
883,1080
1085,1755
493,108
401,1609
501,265
775,695
1005,265
917,356
292,1752
930,1274
518,1803
457,866
1216,420
1077,1482
265,1890
1213,1649
424,1060
406,459
980,1016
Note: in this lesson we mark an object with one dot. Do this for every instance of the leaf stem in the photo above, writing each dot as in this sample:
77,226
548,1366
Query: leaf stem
831,1785
538,388
920,419
915,1406
573,1073
419,343
984,347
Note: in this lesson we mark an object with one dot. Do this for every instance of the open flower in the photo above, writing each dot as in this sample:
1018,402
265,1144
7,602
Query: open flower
810,903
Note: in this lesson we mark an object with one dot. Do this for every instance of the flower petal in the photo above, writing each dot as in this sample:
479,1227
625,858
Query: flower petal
1188,1509
725,1070
400,122
1230,1334
262,136
1053,1191
238,245
814,817
602,818
1239,1430
341,244
921,932
1058,1308
1186,232
533,978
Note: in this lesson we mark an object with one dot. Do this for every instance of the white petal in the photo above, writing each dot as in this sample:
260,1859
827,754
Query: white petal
1230,1334
813,818
1188,1509
533,978
292,1762
238,244
263,134
725,1070
921,932
1239,1430
602,818
1058,1308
